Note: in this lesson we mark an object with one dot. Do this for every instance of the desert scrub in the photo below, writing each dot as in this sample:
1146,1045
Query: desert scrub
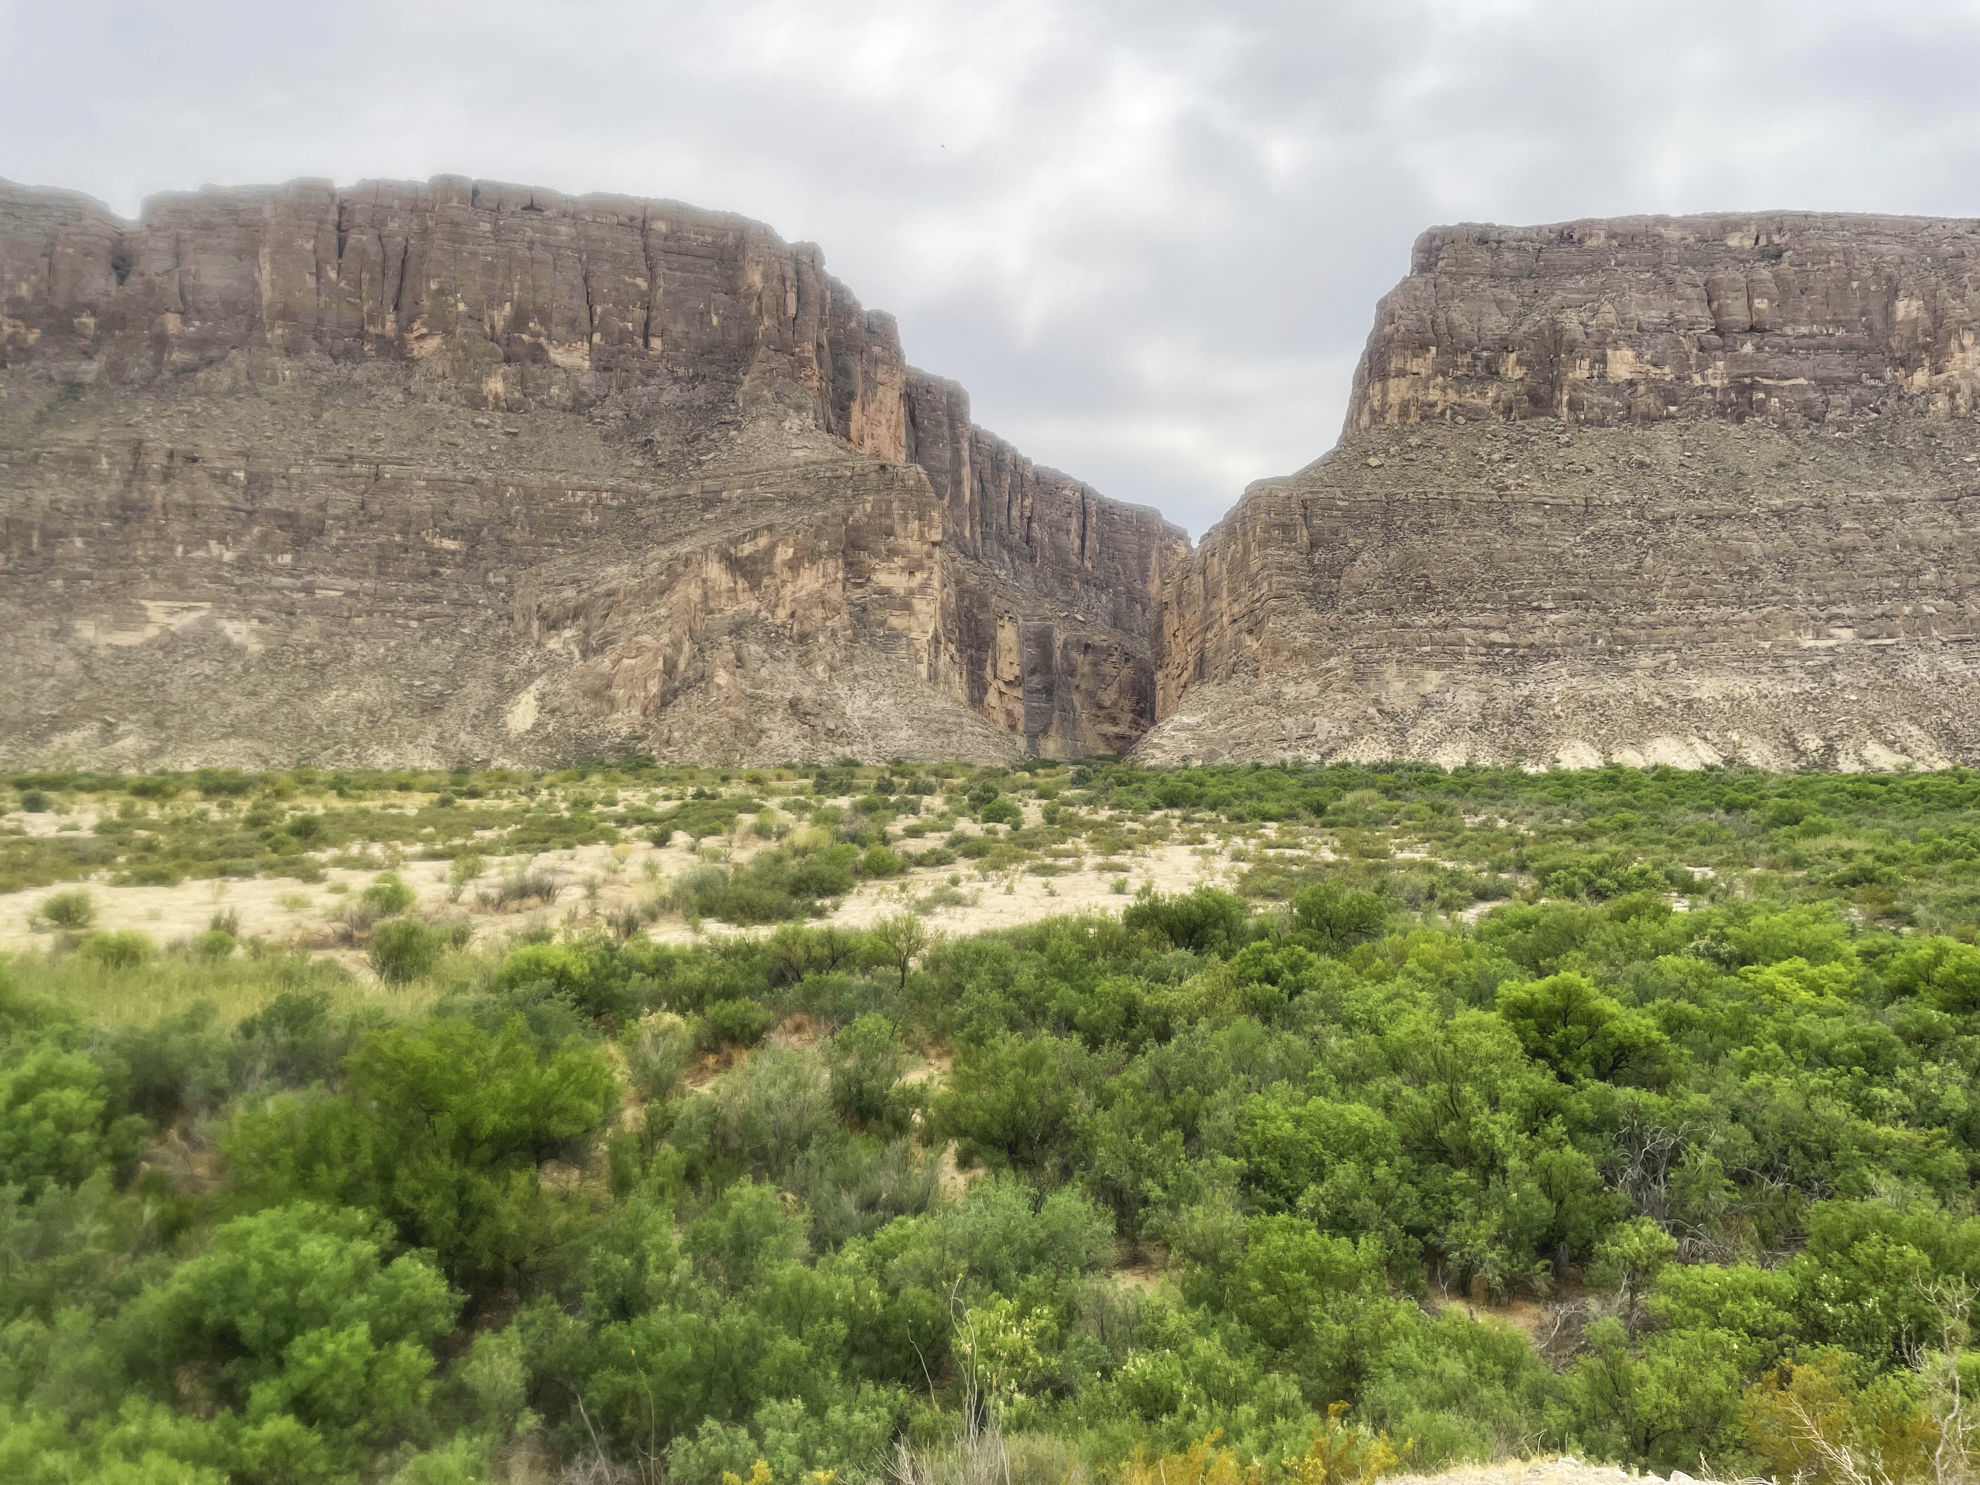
1726,1104
122,948
533,886
154,986
404,949
462,871
30,861
71,911
788,881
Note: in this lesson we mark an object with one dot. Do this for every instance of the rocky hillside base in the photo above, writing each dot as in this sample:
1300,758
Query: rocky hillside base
1691,593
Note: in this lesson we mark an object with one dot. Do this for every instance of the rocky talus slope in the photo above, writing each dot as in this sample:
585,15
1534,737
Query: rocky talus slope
454,471
1651,490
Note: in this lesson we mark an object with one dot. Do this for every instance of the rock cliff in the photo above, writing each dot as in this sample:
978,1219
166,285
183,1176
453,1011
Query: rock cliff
423,473
1057,589
462,470
1650,490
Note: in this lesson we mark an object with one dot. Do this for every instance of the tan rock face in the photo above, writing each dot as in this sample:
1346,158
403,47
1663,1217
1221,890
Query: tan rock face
456,471
461,470
1058,589
1641,491
1790,319
496,297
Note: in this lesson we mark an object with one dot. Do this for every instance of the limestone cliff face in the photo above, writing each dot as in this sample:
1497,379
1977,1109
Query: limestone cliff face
495,297
1788,319
1057,590
462,470
1645,491
425,473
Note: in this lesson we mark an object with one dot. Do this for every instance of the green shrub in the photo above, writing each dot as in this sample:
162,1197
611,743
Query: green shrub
215,943
1017,1099
475,1112
403,949
585,975
741,1023
153,874
58,1124
520,889
658,1052
774,886
72,910
1206,920
35,802
1334,918
700,818
122,948
1000,811
881,861
387,896
748,903
462,870
866,1061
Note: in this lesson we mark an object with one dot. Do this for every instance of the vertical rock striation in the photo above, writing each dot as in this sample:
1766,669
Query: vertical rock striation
1057,590
496,297
1790,320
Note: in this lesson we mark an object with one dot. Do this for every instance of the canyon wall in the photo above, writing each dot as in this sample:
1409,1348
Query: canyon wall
1791,319
1058,590
492,296
461,470
1651,490
426,473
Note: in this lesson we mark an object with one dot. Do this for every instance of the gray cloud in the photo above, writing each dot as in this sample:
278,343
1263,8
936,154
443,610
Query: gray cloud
1147,236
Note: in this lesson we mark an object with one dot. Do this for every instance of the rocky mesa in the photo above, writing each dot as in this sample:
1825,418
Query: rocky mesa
458,471
1655,490
464,471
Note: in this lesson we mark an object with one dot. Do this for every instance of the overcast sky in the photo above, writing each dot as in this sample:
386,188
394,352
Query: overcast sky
1147,236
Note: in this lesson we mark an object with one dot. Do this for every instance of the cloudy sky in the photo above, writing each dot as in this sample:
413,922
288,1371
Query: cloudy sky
1148,236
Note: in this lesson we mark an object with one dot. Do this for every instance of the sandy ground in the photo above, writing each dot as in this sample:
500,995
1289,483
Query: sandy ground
1562,1471
1011,898
597,881
288,911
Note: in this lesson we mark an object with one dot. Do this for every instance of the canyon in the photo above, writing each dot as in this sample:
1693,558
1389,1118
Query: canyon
462,472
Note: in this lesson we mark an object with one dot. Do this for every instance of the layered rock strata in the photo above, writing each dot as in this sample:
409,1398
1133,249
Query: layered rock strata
457,471
1653,490
415,473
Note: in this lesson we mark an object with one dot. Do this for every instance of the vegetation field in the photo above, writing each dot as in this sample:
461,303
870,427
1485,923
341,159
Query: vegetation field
957,1126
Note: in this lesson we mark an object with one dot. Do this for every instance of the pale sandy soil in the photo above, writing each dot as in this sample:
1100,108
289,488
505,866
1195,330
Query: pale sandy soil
597,880
1010,898
1561,1471
292,912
